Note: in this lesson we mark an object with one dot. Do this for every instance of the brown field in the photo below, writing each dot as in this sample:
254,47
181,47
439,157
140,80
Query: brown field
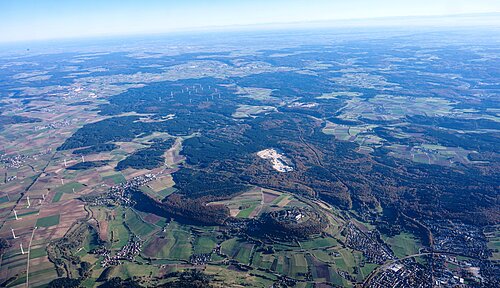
154,246
269,195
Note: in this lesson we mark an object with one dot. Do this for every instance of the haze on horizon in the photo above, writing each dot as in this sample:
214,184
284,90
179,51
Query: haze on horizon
26,20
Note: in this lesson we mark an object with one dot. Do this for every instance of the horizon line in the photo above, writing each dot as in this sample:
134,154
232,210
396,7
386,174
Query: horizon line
379,22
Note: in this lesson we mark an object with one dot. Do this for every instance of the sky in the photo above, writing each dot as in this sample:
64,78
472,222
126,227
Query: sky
24,20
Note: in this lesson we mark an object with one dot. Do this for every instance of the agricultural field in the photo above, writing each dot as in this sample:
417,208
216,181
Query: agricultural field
431,154
360,134
48,221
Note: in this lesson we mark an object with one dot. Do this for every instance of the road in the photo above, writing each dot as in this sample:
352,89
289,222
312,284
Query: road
28,262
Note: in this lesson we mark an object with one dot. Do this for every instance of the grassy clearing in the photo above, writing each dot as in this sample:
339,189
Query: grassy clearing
229,246
129,270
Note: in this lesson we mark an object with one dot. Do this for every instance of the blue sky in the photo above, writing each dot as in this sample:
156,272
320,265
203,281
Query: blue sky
47,19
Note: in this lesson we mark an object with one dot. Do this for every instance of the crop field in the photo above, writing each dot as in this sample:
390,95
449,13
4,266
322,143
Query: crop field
101,216
48,221
297,265
66,188
37,252
4,199
116,178
41,274
360,134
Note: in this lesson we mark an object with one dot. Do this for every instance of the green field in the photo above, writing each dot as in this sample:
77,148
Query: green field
263,260
57,197
66,188
137,225
4,199
166,192
119,234
319,243
117,178
37,252
48,221
127,270
173,244
238,250
403,244
245,213
297,265
69,187
204,244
